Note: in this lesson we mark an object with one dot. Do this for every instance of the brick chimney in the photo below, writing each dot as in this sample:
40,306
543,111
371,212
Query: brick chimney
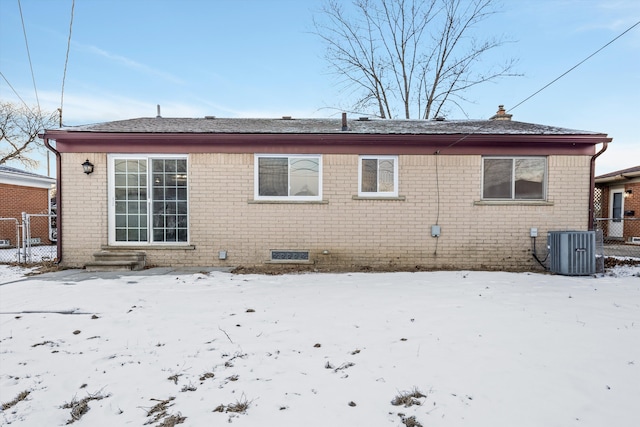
501,114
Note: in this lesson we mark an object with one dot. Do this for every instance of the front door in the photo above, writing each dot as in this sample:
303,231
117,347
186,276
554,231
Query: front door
616,207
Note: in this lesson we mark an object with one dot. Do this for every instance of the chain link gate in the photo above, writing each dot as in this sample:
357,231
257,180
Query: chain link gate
32,241
620,232
37,238
9,240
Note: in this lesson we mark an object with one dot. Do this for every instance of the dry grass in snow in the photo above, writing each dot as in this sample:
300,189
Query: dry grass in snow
398,349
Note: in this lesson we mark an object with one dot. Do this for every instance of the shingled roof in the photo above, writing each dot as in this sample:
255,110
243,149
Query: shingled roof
632,172
9,175
214,125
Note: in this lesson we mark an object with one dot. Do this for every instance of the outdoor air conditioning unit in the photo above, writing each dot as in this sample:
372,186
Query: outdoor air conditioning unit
572,253
5,243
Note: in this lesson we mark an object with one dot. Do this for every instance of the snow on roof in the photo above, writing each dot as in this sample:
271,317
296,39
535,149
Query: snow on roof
9,175
288,125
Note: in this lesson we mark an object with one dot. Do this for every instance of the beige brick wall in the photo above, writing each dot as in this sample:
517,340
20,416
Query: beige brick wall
356,233
84,207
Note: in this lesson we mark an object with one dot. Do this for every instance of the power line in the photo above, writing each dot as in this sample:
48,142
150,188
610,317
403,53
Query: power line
26,42
545,86
485,123
574,67
15,91
66,60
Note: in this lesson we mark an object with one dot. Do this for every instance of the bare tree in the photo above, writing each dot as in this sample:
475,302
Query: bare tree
19,127
409,57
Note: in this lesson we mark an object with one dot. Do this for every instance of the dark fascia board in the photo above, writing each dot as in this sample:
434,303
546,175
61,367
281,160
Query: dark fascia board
98,142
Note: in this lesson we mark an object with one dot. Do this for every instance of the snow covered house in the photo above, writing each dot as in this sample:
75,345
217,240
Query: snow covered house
333,194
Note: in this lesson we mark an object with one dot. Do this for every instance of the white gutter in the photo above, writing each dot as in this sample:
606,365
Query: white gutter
620,177
26,180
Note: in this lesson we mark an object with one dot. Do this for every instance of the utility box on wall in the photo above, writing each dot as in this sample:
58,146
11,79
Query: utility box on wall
572,253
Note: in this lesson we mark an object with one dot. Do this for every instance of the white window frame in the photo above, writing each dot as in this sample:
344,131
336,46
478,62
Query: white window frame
111,214
513,197
393,193
256,178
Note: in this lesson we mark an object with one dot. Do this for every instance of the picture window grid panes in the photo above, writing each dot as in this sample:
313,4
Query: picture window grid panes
158,183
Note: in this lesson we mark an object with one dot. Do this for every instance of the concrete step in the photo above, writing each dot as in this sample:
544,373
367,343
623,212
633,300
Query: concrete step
119,256
113,266
117,261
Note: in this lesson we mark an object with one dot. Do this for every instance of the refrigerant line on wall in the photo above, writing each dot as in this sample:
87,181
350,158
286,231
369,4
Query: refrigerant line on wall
485,123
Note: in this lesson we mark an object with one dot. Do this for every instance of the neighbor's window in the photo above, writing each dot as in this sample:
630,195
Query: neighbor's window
149,202
378,176
514,178
288,177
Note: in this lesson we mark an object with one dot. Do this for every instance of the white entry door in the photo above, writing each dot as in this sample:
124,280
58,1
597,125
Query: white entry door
616,209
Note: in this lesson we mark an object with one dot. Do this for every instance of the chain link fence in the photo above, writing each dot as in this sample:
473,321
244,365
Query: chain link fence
10,231
620,232
33,240
618,243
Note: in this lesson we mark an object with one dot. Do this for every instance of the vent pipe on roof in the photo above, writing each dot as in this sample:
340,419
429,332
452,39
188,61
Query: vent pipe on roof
158,116
344,122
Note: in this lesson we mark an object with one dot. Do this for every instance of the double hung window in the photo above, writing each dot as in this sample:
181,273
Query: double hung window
514,178
378,176
288,177
148,199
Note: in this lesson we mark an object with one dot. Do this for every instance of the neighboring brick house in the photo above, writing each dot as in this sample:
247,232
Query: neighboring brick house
27,192
619,211
335,194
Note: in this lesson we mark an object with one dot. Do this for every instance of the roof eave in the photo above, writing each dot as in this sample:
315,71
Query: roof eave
620,178
329,143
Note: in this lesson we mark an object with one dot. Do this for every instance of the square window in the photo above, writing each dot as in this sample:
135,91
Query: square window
514,178
378,176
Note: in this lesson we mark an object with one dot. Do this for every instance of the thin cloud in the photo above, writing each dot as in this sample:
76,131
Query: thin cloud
91,106
616,16
615,25
129,63
621,5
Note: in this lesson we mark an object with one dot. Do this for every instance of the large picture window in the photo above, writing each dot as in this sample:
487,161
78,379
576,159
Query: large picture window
148,200
378,176
514,178
288,177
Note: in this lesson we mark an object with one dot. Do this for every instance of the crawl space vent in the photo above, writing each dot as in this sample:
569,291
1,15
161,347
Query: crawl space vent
289,256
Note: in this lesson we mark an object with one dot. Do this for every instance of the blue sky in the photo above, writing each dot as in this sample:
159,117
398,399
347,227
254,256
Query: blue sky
259,58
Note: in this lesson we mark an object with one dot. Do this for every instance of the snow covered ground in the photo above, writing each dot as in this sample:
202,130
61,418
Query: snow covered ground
461,348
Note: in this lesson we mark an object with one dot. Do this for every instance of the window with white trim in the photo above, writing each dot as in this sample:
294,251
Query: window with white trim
288,177
514,178
378,176
148,199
